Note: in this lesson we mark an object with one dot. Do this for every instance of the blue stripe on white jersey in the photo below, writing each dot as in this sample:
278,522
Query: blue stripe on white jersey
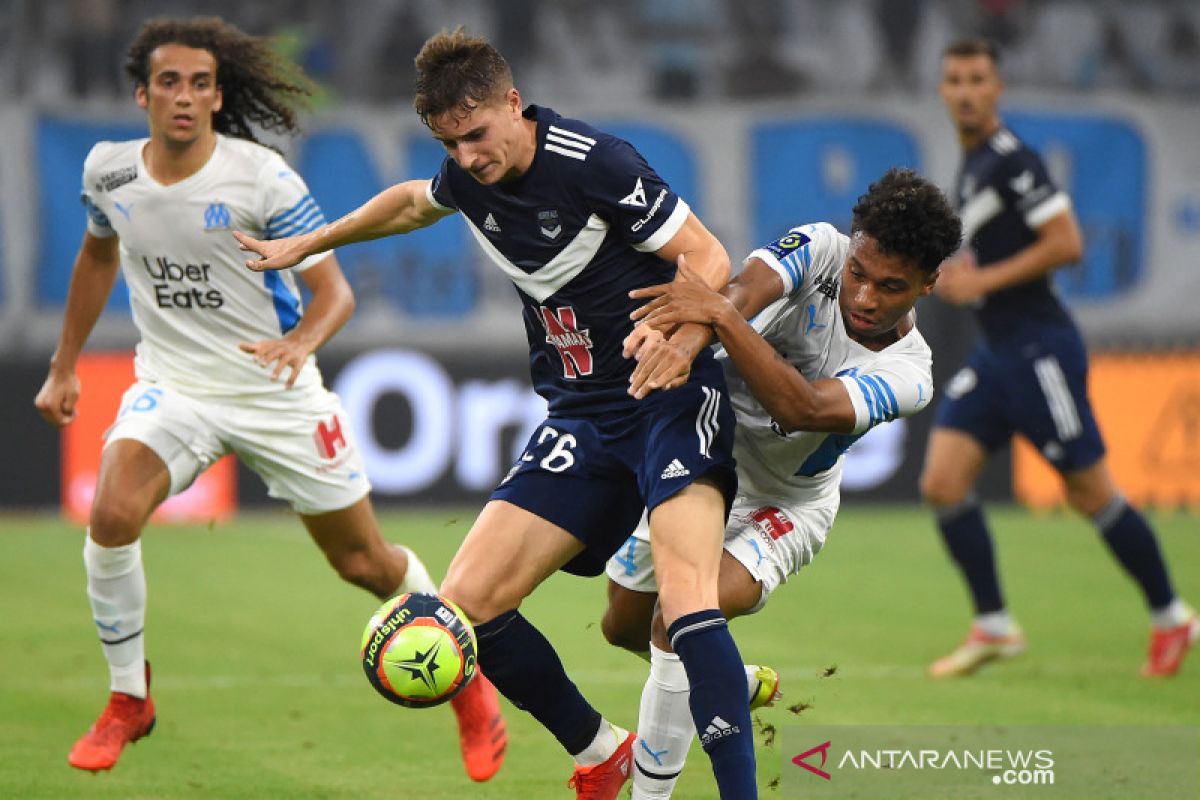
881,401
303,217
287,305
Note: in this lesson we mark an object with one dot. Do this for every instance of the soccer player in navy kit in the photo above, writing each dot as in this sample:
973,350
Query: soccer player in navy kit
577,220
1028,375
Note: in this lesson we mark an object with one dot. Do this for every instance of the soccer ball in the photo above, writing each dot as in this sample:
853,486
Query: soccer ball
418,650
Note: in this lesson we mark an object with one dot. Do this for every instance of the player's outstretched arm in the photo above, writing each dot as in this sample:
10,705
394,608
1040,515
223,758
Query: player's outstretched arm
92,280
398,209
331,305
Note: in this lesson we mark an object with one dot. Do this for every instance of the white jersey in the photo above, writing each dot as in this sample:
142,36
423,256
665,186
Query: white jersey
193,298
806,328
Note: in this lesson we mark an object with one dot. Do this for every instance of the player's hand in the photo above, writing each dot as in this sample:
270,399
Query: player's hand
57,398
960,280
685,299
662,364
275,253
284,353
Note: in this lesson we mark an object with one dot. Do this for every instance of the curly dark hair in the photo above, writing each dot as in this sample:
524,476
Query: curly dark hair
457,72
259,86
909,217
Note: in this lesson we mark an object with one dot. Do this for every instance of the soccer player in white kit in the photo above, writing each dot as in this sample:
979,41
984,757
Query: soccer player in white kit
225,361
830,350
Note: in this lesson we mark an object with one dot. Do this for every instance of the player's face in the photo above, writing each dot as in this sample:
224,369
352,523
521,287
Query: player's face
878,289
492,141
971,88
181,93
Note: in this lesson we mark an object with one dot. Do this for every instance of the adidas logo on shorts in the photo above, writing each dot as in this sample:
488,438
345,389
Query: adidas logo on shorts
718,729
674,470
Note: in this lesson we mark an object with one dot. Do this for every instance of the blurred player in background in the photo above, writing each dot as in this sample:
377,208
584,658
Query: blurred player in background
830,350
225,362
576,219
1028,375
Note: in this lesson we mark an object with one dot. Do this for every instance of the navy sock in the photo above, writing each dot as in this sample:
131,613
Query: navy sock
965,533
522,664
1135,546
722,715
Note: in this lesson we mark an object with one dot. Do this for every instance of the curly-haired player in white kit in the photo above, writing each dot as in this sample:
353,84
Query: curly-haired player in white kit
225,362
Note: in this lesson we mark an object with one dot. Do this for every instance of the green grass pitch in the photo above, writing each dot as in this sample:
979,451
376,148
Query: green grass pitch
260,693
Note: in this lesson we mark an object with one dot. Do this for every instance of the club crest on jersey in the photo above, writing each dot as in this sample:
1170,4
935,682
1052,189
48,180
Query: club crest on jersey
217,217
574,346
548,224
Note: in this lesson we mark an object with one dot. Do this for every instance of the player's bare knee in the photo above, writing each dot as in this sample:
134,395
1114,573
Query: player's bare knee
359,568
622,632
114,522
940,491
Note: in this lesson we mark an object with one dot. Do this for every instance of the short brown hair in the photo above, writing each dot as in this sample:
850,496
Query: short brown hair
976,46
456,73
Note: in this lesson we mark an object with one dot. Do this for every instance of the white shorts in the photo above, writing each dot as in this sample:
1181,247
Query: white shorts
304,451
772,541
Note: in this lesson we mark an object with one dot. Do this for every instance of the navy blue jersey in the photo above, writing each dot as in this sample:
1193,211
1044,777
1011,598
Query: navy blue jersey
1004,194
575,233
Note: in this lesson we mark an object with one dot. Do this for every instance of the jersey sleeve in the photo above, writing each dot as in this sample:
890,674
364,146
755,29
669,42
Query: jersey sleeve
98,224
438,192
890,388
289,208
624,191
1025,185
801,255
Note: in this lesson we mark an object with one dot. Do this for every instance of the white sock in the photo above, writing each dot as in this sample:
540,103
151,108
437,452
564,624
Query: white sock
607,740
416,579
116,587
995,623
1171,615
665,727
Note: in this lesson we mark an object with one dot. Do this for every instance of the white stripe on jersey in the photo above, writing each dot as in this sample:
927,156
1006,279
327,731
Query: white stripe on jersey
979,211
1046,210
573,135
564,152
1058,398
558,271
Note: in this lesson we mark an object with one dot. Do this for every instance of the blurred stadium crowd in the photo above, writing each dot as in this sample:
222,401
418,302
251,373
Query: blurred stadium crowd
678,50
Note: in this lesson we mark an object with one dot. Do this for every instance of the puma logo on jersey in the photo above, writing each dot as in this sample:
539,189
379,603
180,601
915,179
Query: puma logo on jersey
636,198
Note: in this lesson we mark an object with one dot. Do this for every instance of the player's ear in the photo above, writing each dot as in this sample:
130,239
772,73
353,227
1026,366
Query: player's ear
218,100
512,100
141,96
929,282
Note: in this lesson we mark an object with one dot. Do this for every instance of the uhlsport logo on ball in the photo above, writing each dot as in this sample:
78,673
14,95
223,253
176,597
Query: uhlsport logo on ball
418,650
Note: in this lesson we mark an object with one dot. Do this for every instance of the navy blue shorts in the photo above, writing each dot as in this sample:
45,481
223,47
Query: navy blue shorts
1037,389
593,476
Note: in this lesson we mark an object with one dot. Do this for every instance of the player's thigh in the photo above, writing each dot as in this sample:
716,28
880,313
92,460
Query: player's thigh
686,531
507,553
953,460
568,476
303,448
133,480
767,542
159,444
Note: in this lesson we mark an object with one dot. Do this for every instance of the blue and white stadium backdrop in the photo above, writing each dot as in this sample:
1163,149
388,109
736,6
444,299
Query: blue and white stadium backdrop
750,171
